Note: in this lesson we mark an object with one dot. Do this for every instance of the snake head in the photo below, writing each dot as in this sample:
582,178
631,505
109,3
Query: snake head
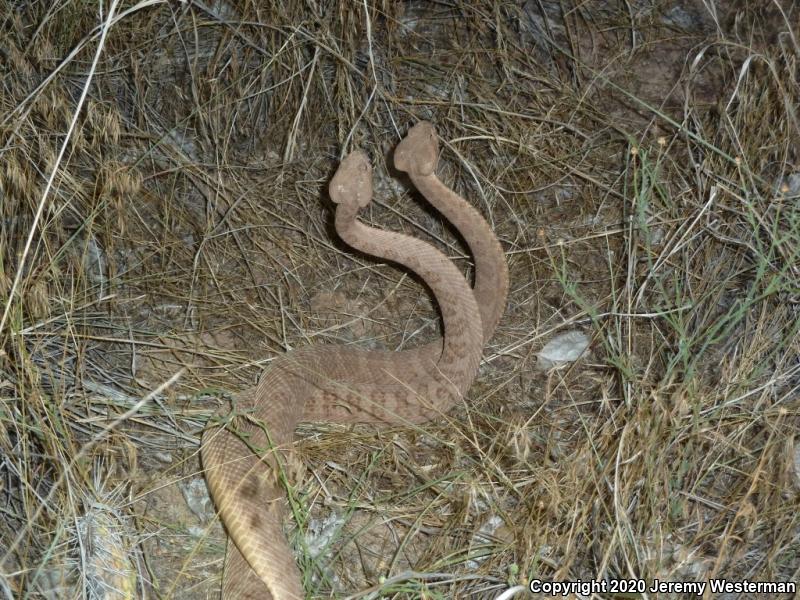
352,181
418,153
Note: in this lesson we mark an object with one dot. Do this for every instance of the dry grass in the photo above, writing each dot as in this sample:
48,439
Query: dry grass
166,231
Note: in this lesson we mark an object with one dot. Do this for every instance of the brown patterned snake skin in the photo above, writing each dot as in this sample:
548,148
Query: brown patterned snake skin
346,385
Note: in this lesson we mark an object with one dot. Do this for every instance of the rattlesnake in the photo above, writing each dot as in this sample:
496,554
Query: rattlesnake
330,383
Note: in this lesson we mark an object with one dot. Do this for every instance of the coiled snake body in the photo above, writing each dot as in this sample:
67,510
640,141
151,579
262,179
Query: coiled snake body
330,383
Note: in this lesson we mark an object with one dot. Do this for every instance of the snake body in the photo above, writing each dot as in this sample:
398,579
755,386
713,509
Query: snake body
331,383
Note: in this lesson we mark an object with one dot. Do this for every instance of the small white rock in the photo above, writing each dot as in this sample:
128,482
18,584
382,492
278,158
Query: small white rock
797,465
321,533
197,498
562,349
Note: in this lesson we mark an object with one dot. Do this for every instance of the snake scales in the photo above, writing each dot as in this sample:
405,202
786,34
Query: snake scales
345,385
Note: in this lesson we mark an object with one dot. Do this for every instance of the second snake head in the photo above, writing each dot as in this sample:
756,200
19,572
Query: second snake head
352,181
418,153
